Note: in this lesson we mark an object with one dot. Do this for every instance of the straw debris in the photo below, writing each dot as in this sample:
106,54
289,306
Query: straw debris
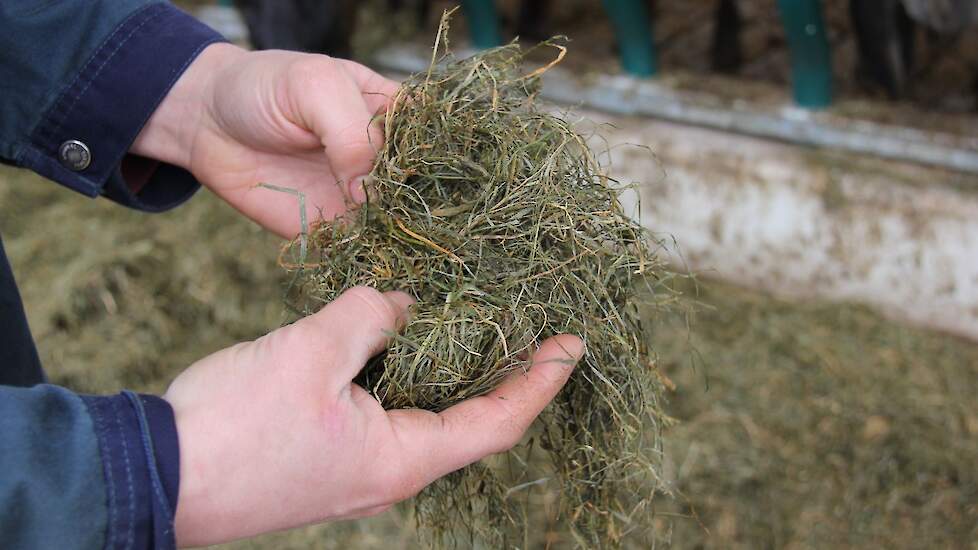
495,214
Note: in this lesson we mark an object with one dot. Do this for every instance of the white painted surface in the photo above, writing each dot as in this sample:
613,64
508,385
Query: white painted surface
805,223
225,20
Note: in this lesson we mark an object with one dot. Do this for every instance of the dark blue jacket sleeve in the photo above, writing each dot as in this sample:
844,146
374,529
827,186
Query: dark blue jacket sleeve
86,471
80,78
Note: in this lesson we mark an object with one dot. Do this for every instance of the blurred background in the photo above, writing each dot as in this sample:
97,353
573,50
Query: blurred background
815,164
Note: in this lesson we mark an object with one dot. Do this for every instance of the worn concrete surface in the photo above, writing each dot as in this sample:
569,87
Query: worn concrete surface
807,223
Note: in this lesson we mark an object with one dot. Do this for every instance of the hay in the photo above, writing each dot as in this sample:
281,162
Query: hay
816,425
496,216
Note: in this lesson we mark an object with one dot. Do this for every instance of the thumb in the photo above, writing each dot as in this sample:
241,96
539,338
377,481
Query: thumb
327,100
493,423
354,327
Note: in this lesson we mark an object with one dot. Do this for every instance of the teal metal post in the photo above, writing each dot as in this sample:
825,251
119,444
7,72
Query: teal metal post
483,23
633,29
811,60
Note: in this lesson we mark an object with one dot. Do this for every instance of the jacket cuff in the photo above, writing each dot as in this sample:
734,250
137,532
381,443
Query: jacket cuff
84,137
137,441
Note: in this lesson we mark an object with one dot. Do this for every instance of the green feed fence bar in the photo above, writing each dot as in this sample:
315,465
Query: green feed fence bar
633,28
811,60
483,23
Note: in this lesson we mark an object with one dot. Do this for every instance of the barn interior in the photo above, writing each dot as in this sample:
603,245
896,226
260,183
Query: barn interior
815,164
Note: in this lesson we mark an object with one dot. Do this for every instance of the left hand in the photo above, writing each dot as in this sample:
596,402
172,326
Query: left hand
308,122
275,434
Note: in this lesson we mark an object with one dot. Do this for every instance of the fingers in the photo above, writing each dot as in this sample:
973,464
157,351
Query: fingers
359,324
377,91
327,99
490,424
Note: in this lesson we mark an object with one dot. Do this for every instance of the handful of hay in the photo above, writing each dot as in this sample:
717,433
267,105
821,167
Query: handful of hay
496,216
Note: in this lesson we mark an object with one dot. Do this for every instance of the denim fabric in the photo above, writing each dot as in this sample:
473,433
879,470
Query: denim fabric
19,365
86,472
44,43
102,99
140,492
52,491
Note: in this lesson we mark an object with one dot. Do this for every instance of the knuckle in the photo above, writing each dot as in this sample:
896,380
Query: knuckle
299,334
312,339
352,149
399,483
309,68
511,427
374,303
356,140
550,380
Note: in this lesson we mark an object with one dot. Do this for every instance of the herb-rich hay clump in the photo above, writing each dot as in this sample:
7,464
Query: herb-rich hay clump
496,216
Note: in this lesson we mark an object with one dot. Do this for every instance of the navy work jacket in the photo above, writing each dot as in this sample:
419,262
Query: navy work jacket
78,80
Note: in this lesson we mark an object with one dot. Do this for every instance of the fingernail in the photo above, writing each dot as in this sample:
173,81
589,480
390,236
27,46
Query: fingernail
580,352
400,298
358,189
575,349
403,302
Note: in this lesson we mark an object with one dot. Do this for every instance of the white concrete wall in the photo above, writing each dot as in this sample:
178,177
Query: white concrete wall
806,223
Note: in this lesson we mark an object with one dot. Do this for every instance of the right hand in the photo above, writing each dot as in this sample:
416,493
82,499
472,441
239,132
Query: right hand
274,434
236,119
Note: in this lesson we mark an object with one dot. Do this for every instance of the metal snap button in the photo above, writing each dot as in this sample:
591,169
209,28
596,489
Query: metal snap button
75,155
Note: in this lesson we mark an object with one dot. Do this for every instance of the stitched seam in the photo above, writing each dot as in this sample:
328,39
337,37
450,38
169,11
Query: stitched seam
36,159
59,105
148,448
101,66
130,534
110,479
174,76
44,126
36,9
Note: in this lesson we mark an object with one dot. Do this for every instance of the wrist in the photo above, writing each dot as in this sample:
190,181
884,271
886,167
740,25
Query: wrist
191,520
171,131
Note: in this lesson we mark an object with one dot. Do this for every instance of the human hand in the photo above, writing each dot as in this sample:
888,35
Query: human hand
274,434
235,119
